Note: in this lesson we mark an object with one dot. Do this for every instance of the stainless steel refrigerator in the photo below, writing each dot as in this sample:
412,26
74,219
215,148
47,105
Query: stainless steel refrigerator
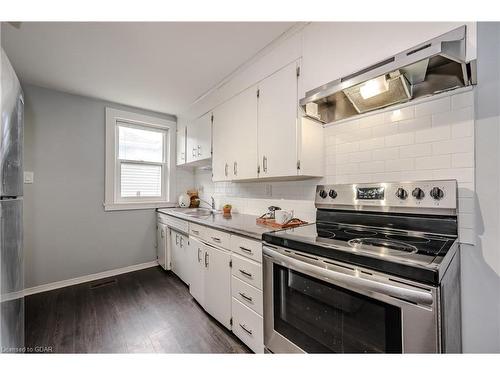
11,211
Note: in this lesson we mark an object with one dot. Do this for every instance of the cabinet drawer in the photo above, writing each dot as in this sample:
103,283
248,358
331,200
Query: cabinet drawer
248,295
173,222
246,247
217,237
248,326
247,270
197,230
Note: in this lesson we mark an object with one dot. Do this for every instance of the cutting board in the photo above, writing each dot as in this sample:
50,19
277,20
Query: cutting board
273,224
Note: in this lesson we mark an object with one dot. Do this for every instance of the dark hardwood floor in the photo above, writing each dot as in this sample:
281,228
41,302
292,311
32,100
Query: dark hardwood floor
145,311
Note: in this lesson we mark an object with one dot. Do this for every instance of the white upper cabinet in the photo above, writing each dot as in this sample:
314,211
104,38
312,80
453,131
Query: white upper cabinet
258,133
235,138
277,123
181,145
199,139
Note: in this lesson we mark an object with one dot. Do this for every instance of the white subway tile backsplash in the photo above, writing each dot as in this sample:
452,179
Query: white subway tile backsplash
466,235
462,100
440,133
399,139
361,156
373,120
462,129
454,117
432,107
348,168
418,123
386,153
386,129
399,165
371,144
453,146
348,147
462,160
459,174
372,167
433,162
400,114
421,149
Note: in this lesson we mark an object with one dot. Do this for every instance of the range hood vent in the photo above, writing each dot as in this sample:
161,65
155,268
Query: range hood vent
427,69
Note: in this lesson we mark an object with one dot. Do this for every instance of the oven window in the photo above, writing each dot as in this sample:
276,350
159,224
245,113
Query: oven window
322,318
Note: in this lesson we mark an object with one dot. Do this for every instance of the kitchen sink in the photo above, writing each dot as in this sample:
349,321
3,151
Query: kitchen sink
197,212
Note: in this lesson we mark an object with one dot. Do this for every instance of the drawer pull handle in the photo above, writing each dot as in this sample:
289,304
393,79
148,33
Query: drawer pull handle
216,239
249,299
249,331
247,274
206,260
246,250
199,253
195,231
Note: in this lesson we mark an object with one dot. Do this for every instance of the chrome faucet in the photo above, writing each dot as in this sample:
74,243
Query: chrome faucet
212,205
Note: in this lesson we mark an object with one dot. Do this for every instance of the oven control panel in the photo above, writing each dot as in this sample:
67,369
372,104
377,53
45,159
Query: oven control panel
435,195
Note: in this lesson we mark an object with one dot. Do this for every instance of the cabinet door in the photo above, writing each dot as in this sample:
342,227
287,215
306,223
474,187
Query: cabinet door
178,254
204,137
161,237
278,104
197,265
183,259
221,142
243,156
199,138
181,144
218,284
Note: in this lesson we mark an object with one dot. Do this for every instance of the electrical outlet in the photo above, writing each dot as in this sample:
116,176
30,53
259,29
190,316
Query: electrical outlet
28,177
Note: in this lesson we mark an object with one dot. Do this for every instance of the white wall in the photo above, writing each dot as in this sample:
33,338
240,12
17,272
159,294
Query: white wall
66,231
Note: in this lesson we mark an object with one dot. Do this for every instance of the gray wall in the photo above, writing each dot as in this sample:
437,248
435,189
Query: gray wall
67,232
481,264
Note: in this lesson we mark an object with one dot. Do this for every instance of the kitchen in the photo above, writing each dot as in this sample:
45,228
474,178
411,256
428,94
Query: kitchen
327,188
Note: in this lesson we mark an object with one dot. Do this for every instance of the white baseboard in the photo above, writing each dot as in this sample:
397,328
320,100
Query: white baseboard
87,278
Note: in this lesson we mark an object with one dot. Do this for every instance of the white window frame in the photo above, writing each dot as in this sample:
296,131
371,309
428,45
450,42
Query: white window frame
112,196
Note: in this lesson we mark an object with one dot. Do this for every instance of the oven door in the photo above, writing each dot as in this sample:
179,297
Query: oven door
320,306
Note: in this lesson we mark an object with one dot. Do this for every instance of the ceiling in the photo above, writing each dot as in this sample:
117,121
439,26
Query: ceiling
161,66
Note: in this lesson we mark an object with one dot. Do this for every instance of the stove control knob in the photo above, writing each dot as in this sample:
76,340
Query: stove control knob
418,193
323,194
333,194
437,193
401,193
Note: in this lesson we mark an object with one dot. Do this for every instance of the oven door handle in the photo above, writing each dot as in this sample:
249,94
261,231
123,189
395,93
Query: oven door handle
410,294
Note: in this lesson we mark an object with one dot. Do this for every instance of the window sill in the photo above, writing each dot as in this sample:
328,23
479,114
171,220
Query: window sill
137,206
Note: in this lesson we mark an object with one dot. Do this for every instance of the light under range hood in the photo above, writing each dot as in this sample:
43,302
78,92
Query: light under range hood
424,70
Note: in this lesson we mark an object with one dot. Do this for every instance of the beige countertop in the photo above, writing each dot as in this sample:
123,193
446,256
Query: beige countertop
240,224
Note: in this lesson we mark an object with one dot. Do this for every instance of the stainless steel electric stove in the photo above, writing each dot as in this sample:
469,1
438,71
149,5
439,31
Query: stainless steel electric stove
377,272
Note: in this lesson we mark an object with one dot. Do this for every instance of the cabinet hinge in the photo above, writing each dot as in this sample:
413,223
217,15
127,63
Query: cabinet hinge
298,71
258,169
231,263
231,321
258,93
212,119
298,164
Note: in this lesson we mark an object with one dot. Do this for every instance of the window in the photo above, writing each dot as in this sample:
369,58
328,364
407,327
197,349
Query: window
138,156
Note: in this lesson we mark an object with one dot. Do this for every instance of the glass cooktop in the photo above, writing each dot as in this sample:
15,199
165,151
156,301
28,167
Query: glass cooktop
391,245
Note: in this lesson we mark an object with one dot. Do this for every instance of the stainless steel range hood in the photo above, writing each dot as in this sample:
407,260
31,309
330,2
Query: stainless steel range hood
426,69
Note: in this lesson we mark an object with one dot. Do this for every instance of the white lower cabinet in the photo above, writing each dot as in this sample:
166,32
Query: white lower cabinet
226,284
197,266
179,244
217,281
248,326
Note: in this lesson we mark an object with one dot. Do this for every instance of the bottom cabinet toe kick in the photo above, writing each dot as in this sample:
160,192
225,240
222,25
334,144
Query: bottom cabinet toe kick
223,271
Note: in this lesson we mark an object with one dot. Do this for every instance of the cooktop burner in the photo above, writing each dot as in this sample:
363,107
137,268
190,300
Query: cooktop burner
386,244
